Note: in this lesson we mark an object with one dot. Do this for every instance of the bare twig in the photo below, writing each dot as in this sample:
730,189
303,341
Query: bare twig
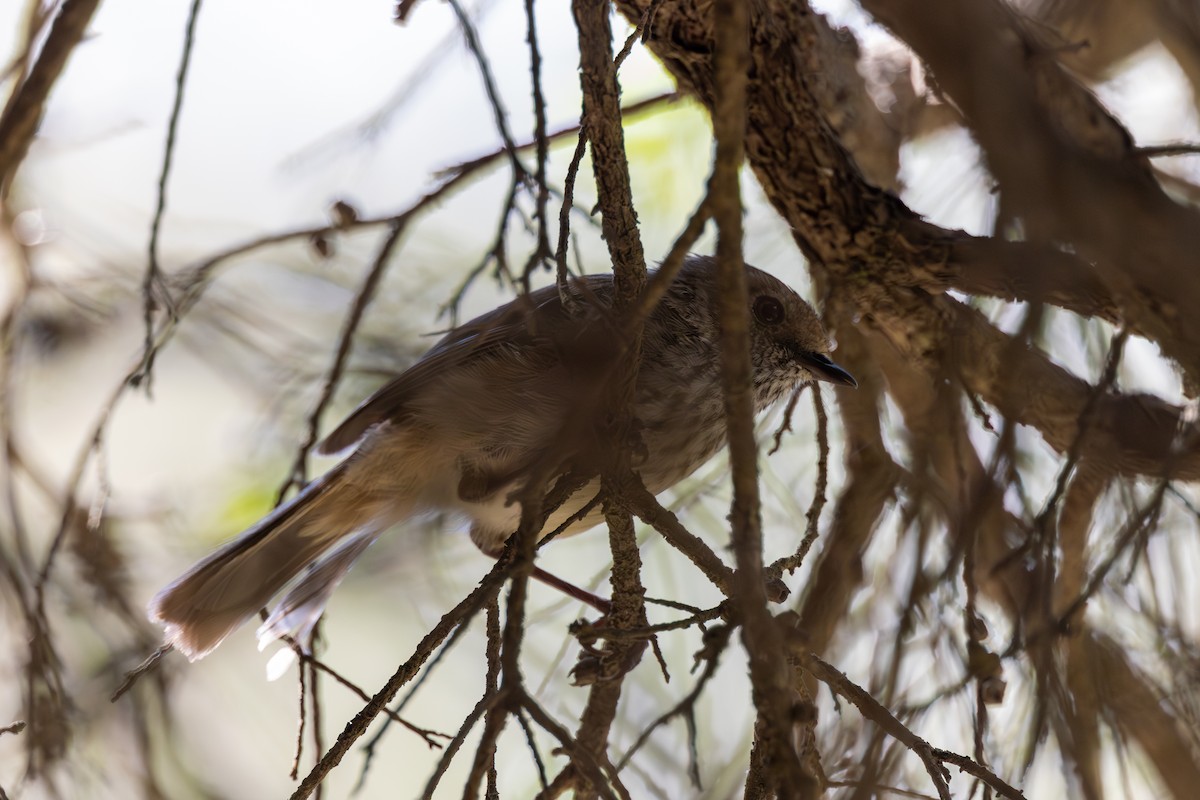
302,718
489,85
714,647
647,507
13,728
363,298
1161,150
542,250
813,516
486,703
137,672
877,713
152,283
982,773
562,275
600,775
466,608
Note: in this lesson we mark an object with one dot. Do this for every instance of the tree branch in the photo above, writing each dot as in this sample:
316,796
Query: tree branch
23,112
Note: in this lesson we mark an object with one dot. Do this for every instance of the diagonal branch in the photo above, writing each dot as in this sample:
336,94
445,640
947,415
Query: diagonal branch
23,112
1071,183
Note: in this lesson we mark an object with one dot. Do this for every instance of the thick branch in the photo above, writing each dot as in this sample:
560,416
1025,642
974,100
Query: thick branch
24,110
1129,697
602,121
1066,184
867,237
1132,433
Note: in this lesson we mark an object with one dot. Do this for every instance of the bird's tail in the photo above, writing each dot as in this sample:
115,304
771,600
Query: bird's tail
223,590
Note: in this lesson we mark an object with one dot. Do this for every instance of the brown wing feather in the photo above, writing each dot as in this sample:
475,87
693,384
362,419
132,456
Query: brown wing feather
507,325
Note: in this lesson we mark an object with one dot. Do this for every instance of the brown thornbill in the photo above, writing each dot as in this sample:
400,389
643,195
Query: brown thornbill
461,430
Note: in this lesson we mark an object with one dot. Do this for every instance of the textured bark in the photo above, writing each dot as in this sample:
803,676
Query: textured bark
893,267
1101,239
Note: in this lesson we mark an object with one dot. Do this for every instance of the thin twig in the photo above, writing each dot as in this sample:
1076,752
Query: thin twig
982,773
466,608
562,275
152,281
583,762
488,701
785,423
489,85
1159,150
878,713
531,744
1074,452
686,706
393,713
542,250
366,293
813,516
302,720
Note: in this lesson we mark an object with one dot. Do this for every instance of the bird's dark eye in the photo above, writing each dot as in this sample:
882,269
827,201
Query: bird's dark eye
768,310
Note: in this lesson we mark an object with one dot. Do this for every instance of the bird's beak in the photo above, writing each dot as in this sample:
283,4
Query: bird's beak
825,370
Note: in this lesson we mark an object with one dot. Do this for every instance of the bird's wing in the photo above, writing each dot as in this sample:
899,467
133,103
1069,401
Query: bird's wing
510,325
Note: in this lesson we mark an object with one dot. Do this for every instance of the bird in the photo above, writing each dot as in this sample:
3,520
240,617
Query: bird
461,430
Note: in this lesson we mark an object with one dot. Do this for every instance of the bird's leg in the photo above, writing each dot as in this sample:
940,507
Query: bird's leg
603,605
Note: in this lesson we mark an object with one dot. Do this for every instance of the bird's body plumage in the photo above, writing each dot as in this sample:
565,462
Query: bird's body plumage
461,429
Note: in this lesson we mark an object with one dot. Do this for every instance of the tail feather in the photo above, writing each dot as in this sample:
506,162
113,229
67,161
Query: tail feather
301,607
222,591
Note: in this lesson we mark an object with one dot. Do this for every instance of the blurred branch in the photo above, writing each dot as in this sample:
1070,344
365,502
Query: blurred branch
1029,271
1062,162
1137,709
23,112
1132,433
152,282
20,286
